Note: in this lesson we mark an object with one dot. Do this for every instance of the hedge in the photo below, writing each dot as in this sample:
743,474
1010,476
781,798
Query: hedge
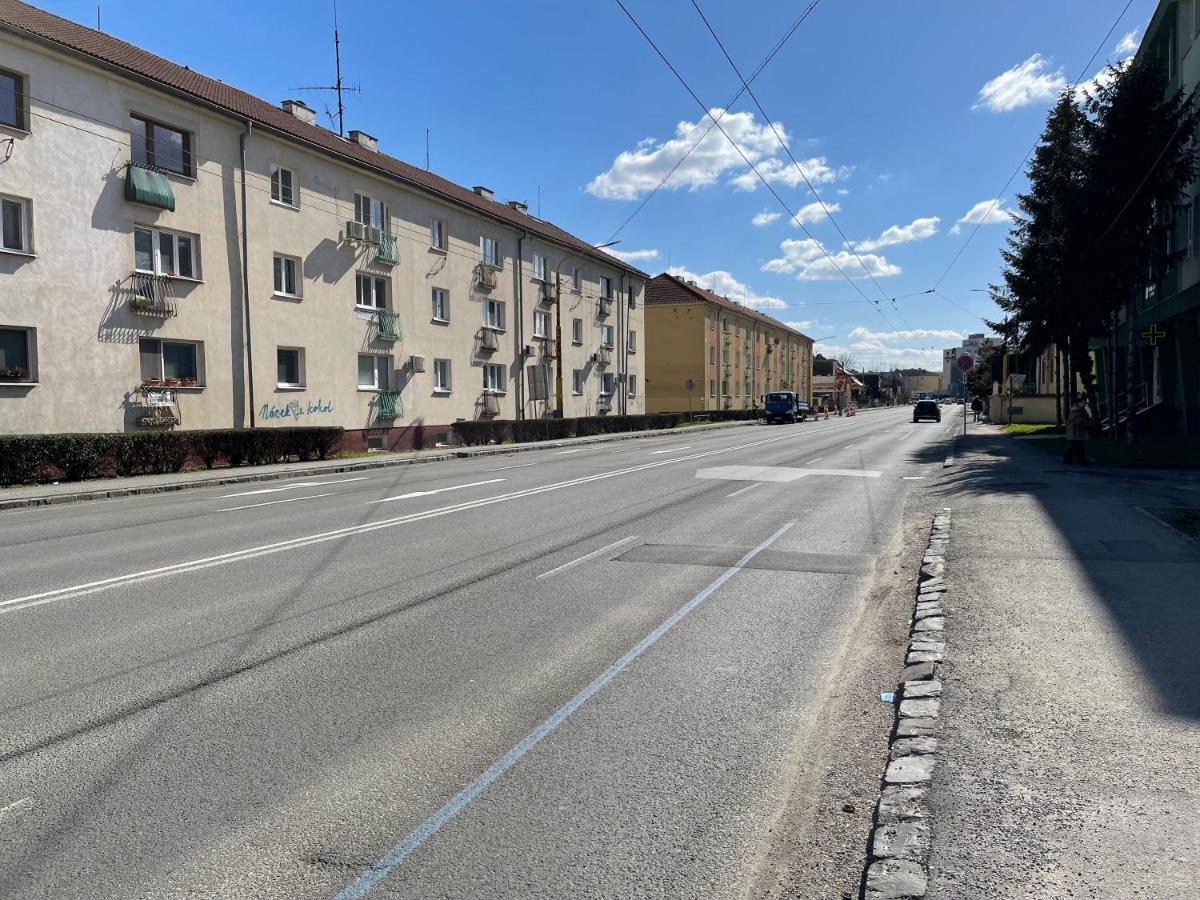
36,458
499,431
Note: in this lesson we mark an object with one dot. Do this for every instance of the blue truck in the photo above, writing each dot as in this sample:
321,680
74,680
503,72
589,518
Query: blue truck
784,406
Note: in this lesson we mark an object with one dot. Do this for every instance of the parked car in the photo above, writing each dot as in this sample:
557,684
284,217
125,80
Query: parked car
927,409
784,406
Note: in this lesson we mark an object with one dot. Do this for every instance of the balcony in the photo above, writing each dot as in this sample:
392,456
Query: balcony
605,307
602,357
489,406
388,254
387,325
489,341
156,408
604,403
151,295
149,186
390,405
550,348
485,276
546,293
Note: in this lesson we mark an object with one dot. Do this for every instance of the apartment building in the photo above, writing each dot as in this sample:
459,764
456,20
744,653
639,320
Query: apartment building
178,253
729,353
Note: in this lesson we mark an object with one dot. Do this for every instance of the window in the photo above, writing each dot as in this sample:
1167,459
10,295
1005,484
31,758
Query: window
489,251
170,359
541,324
437,234
14,225
539,267
164,252
725,356
290,363
441,305
577,382
493,314
577,331
632,385
155,144
605,287
576,280
371,291
632,345
606,336
282,186
286,280
608,383
712,355
372,372
712,387
441,376
632,299
493,379
12,100
724,387
370,211
16,355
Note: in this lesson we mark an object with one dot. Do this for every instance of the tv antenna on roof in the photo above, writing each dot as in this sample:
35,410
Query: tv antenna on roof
337,85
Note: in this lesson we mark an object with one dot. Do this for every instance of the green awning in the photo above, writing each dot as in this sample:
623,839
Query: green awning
149,187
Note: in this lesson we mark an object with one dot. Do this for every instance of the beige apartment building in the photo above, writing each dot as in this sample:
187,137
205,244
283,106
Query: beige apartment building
730,354
178,253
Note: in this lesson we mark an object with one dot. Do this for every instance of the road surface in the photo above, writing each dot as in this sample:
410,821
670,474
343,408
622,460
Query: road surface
567,672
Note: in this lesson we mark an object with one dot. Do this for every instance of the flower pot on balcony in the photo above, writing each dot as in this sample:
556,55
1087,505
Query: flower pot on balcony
187,382
171,382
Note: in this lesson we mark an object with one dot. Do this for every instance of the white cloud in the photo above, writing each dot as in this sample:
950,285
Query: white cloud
1101,79
1128,45
842,192
723,283
809,262
1022,85
634,255
766,217
638,171
917,230
985,212
863,334
871,354
813,212
801,326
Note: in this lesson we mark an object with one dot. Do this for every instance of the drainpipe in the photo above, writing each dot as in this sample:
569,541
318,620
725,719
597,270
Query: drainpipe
245,135
519,274
622,337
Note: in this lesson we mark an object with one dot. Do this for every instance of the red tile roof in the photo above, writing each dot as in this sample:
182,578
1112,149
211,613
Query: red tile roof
667,288
29,21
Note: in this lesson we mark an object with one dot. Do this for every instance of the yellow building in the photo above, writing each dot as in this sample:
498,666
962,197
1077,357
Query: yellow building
729,353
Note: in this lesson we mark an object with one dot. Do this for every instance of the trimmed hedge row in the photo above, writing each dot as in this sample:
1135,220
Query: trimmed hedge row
36,458
500,431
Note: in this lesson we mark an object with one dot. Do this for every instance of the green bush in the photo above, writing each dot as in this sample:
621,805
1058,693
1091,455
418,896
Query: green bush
498,431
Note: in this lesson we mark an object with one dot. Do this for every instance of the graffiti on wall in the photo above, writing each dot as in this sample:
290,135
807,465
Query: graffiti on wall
295,409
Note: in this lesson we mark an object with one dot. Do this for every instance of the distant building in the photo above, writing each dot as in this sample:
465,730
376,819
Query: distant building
731,354
977,345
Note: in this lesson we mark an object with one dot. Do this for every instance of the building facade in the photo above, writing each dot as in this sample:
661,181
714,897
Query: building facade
178,253
729,353
977,346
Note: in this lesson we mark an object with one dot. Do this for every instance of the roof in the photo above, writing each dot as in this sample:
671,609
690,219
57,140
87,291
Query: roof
31,22
665,289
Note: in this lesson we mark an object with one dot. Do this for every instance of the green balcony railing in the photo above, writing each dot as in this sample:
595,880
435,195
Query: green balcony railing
390,405
387,252
388,325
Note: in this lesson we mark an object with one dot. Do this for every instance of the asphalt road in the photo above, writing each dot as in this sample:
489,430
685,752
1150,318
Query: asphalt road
560,673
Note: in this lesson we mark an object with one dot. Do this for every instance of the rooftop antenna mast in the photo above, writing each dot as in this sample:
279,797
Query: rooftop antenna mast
337,85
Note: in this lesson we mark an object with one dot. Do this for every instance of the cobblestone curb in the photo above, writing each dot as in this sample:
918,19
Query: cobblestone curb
899,851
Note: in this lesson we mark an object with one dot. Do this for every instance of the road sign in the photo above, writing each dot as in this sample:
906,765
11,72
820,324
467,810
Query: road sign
689,385
965,362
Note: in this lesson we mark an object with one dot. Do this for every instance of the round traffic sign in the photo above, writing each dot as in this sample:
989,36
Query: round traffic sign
965,362
689,385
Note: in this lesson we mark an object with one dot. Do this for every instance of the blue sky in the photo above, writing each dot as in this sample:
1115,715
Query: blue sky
905,115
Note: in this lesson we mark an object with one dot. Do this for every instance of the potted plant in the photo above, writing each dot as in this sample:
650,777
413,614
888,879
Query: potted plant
171,382
141,301
187,382
14,373
152,382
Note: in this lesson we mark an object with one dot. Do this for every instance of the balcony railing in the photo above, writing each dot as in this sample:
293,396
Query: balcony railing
485,276
387,253
489,341
605,307
489,405
390,405
550,348
151,295
603,356
387,325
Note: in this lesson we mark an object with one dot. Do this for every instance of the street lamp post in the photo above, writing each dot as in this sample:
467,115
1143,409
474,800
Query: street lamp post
558,365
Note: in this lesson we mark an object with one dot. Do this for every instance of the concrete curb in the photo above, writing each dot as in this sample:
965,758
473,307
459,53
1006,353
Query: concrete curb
900,838
356,466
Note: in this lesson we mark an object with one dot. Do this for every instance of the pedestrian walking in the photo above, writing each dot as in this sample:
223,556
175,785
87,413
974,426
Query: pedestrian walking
976,408
1079,423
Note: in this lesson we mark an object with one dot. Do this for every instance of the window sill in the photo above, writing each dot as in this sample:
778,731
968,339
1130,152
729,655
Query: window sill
494,329
370,390
494,393
290,387
292,206
539,337
23,253
438,321
284,296
9,128
440,251
441,392
18,384
576,343
576,393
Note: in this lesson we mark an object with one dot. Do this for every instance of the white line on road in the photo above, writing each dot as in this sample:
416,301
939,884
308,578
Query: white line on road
848,447
671,450
911,477
457,487
588,556
815,459
502,468
577,450
431,826
15,809
748,487
291,487
79,590
273,502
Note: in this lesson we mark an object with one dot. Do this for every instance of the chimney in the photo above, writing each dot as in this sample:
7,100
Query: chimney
300,110
484,192
519,205
364,140
691,282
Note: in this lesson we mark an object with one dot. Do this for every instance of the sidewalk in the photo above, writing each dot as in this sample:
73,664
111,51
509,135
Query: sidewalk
102,488
1070,717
